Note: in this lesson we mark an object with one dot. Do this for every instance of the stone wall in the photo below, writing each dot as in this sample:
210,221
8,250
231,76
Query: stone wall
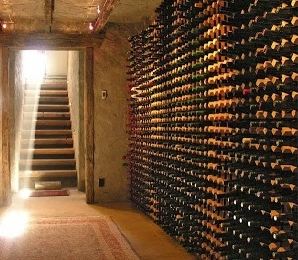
111,140
1,172
17,85
75,79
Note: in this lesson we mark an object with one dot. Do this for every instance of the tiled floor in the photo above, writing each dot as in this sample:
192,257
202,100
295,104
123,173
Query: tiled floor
145,237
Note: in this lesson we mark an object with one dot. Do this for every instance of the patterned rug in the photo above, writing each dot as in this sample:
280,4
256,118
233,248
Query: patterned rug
78,238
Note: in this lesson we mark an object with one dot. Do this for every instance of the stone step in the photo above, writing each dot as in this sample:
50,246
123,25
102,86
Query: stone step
47,134
46,108
47,124
44,93
47,151
47,86
47,115
47,100
48,174
49,162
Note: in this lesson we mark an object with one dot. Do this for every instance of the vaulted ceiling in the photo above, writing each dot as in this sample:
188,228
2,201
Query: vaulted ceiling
70,16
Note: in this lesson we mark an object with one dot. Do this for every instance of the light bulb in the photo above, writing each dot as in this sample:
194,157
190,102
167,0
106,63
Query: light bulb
4,25
98,11
91,26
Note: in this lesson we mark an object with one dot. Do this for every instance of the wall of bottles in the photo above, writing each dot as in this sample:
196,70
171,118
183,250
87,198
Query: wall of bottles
213,126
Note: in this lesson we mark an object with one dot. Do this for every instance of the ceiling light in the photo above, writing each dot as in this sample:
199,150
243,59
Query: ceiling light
91,27
4,25
98,10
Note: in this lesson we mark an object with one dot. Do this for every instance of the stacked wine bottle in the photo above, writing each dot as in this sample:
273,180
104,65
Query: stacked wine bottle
213,126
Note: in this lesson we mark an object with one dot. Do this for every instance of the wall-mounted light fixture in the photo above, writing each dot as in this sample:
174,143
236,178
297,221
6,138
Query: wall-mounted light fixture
91,27
5,25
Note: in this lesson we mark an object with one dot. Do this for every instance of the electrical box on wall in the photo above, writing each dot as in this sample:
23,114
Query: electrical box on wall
101,182
103,94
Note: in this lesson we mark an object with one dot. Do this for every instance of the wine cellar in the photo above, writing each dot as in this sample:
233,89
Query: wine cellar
213,130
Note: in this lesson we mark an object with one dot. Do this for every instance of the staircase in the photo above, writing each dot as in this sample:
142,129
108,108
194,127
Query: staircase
47,152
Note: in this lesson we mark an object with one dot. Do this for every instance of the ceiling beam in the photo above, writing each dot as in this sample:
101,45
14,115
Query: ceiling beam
105,11
48,13
50,40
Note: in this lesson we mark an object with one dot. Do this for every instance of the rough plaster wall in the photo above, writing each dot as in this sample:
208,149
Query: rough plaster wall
76,98
17,84
1,180
56,63
110,138
12,70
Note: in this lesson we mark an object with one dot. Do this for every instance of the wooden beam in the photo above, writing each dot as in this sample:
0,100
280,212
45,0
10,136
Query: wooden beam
48,15
89,125
5,127
105,11
50,40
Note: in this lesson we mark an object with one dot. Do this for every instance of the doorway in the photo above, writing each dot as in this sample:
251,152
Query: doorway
54,68
9,68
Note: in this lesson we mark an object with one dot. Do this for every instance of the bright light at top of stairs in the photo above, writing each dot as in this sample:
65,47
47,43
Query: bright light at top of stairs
34,65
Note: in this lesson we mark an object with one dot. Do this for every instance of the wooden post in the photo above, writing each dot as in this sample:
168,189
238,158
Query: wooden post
5,164
89,125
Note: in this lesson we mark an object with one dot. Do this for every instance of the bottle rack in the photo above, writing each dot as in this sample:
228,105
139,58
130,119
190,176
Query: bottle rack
213,126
